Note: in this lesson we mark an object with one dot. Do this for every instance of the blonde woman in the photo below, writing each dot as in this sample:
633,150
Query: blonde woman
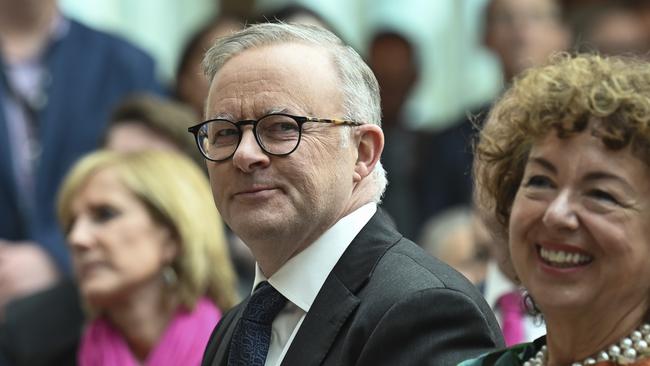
149,256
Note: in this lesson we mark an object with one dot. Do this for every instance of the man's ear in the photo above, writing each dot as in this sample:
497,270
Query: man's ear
369,140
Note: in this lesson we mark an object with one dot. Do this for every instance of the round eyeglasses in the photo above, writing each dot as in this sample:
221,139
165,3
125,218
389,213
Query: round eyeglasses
277,134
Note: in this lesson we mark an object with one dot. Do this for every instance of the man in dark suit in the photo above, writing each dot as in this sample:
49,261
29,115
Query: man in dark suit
293,142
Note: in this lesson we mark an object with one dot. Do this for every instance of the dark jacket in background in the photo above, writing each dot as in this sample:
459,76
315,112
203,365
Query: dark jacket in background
89,72
42,329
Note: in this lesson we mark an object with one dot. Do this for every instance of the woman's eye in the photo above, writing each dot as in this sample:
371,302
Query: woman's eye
602,196
104,213
539,181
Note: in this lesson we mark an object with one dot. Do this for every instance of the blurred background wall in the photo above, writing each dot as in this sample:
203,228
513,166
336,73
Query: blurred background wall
457,73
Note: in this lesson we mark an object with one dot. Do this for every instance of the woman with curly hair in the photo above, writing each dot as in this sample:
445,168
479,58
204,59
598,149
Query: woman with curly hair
563,165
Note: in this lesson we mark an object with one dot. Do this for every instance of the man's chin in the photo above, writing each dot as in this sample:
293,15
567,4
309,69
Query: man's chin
259,223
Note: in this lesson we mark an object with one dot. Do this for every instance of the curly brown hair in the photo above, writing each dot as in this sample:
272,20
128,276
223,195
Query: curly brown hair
608,96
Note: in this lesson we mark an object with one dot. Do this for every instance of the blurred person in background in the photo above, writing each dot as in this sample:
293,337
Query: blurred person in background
58,81
524,33
643,11
153,278
393,59
610,27
145,122
502,290
563,165
294,13
151,122
521,34
191,84
138,123
452,236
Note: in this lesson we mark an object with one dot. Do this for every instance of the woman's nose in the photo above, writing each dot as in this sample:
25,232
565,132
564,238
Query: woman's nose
560,213
80,235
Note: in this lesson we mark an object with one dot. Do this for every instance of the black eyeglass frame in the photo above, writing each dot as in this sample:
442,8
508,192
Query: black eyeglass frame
300,120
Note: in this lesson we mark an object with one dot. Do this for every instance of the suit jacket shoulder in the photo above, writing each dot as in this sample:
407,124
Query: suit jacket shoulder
387,302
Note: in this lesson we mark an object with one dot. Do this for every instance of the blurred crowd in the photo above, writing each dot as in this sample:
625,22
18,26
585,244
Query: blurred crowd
68,90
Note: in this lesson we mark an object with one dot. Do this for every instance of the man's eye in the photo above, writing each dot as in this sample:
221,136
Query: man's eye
226,132
225,136
283,127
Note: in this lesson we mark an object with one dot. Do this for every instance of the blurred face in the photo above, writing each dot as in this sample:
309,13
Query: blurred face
285,202
392,61
579,228
192,85
523,33
117,248
460,251
619,32
134,136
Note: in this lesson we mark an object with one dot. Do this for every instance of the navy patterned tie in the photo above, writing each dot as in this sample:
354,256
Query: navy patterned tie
250,341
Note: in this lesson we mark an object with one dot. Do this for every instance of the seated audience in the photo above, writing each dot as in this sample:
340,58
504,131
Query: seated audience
393,58
294,13
139,122
610,27
502,290
452,236
521,34
149,122
563,164
149,257
58,81
191,85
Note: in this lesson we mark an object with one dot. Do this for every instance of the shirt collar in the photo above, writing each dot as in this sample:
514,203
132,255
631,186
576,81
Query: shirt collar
301,277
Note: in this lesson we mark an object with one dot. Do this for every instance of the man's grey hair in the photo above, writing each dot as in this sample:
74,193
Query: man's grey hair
359,86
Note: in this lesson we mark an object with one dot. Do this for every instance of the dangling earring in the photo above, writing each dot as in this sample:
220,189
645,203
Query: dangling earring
169,275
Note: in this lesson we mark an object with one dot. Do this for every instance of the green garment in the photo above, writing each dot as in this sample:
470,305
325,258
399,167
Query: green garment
512,356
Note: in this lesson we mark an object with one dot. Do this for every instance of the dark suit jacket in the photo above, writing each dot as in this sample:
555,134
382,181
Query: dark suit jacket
42,329
386,302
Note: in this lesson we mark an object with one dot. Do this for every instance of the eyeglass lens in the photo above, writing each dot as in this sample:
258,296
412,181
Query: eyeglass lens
276,134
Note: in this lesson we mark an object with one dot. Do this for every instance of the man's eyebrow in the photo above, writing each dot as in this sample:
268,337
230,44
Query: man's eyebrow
226,116
230,117
277,110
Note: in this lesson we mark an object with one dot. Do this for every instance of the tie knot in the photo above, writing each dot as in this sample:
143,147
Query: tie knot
511,302
265,304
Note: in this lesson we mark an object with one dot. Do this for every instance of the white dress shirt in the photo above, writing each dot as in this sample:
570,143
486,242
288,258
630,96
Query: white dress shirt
497,285
301,278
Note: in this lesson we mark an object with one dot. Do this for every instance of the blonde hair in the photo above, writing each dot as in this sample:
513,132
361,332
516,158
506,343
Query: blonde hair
176,194
607,96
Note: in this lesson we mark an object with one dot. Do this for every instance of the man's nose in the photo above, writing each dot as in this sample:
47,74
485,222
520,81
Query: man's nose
249,155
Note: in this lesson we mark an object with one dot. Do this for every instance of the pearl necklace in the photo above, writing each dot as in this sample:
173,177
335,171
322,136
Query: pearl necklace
627,351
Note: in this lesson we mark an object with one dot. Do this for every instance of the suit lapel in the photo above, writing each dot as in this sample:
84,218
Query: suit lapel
221,356
337,299
318,331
